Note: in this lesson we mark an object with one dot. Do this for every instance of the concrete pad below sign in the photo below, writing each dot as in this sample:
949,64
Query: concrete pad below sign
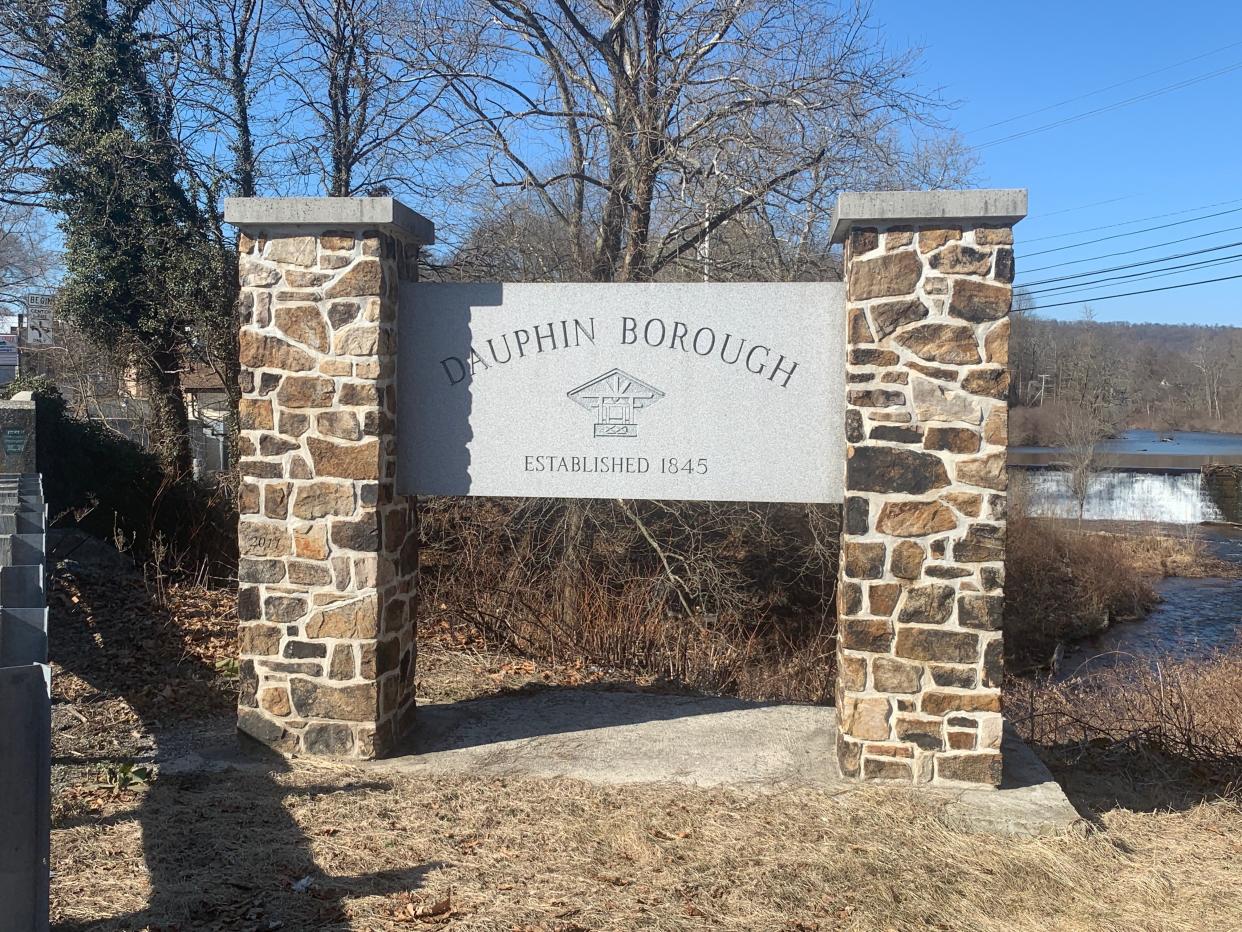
632,737
618,736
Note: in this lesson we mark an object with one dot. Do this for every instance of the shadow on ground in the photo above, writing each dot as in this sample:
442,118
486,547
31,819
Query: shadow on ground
518,715
241,862
1099,780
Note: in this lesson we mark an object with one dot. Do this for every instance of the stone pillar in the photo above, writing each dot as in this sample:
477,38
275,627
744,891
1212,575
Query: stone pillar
920,594
327,548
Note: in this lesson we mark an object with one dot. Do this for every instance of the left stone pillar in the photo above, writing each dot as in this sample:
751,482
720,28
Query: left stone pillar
327,550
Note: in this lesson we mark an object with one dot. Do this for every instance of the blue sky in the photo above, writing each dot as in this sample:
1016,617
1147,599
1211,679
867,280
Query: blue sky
1169,153
1176,153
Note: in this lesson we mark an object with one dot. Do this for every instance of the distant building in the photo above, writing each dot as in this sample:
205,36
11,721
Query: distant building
207,404
8,356
97,386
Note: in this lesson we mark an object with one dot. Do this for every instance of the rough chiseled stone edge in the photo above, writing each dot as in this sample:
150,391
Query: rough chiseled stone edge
328,549
918,687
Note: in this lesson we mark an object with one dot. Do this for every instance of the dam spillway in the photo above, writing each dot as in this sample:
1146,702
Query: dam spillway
1184,497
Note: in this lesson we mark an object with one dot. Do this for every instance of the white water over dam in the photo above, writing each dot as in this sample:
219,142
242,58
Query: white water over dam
1174,498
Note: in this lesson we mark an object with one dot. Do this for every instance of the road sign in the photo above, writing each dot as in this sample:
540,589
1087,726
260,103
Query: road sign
39,318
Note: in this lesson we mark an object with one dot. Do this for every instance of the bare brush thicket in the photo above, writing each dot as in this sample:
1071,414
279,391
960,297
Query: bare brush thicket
723,597
1159,719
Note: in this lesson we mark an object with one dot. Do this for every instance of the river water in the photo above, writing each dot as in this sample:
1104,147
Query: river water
1196,617
1188,442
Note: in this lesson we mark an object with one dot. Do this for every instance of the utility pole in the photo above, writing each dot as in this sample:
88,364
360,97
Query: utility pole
1043,386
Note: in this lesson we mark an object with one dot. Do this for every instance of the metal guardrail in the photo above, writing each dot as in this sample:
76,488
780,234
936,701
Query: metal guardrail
25,707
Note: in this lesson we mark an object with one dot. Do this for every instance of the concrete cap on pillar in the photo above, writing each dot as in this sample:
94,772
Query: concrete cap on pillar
386,214
996,207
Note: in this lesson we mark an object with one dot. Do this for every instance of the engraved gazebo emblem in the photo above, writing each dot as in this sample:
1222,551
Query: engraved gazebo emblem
614,397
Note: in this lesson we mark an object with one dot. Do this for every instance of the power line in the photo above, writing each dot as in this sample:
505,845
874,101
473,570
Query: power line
1127,252
1111,87
1123,223
1131,265
1140,276
1070,210
1105,109
1128,294
1104,239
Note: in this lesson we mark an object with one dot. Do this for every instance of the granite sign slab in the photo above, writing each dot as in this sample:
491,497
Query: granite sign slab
727,392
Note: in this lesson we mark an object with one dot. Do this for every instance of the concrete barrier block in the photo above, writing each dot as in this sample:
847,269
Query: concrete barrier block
25,788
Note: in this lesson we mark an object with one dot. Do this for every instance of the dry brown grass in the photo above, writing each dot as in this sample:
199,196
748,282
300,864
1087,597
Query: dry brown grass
1170,552
224,852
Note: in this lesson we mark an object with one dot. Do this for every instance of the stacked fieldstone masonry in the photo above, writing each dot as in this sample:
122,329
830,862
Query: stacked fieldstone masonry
327,549
922,568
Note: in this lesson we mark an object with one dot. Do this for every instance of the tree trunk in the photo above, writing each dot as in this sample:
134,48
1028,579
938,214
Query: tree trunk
160,376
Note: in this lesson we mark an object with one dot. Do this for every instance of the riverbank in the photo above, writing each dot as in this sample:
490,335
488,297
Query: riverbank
1198,615
1063,584
1162,551
1124,654
1069,581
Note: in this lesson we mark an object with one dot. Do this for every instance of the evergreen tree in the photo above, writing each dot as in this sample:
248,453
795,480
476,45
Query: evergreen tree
144,273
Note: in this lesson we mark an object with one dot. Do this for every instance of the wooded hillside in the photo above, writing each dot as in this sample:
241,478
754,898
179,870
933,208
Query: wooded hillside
1160,376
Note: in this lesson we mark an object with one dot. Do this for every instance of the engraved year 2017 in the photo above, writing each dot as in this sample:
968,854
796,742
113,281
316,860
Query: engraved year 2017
675,466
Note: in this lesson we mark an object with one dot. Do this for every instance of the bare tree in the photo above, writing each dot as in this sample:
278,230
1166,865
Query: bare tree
1079,433
644,128
26,263
368,105
217,70
220,65
1211,360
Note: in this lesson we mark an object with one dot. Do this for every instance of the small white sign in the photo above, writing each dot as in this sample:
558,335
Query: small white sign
726,392
39,318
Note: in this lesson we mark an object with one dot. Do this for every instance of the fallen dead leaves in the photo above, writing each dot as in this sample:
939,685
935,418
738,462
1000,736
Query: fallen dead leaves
411,908
456,664
112,639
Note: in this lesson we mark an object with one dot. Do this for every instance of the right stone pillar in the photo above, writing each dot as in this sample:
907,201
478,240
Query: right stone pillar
920,595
